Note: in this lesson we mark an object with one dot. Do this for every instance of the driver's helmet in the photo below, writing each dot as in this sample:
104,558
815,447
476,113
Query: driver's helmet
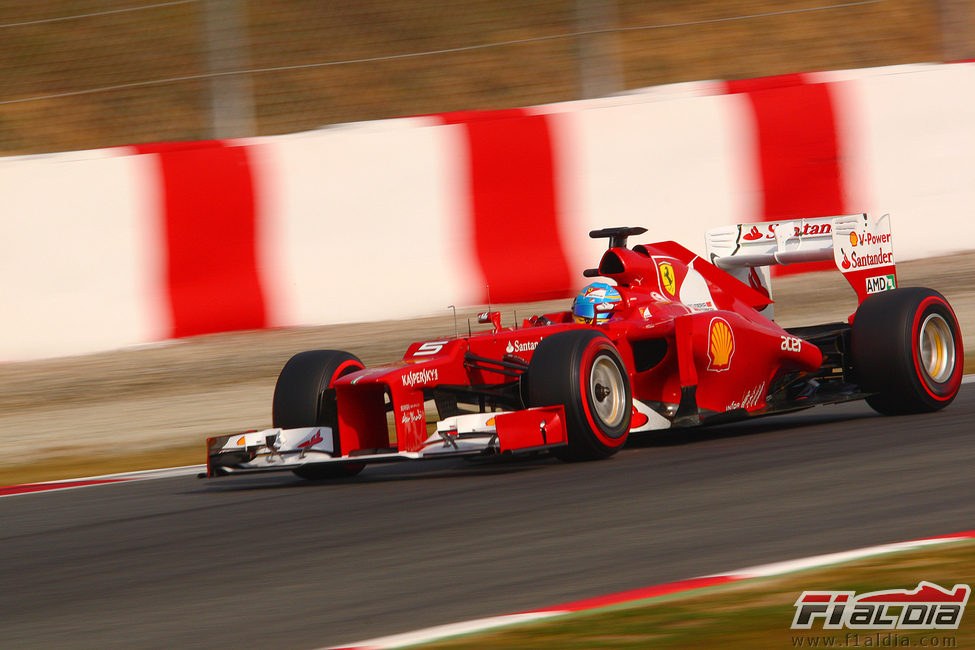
595,303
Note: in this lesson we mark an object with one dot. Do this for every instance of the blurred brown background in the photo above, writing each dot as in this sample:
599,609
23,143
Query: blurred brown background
80,74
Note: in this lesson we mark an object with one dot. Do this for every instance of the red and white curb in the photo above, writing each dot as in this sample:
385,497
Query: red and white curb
636,596
106,479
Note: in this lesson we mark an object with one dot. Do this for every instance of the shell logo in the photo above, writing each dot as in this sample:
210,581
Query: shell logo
668,281
721,345
854,240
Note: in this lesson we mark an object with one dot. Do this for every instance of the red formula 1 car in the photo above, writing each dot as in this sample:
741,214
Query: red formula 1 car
672,340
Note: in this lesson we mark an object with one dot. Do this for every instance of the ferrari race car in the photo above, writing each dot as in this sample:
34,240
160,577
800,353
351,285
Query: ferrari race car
670,340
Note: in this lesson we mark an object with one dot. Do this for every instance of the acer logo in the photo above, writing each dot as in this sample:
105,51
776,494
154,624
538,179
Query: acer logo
790,344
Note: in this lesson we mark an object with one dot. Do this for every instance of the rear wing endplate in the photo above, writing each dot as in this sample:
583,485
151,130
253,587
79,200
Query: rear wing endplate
858,244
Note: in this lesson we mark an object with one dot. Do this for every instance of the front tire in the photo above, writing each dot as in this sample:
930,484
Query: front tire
907,350
302,398
583,371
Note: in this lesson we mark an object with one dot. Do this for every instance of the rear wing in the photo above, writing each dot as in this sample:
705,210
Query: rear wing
858,244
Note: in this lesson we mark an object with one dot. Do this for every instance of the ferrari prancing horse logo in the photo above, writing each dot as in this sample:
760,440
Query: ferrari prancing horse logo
668,282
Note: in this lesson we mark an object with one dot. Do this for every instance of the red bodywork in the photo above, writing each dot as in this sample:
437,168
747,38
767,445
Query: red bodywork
720,354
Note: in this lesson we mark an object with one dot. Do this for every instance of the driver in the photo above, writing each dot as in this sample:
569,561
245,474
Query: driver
595,304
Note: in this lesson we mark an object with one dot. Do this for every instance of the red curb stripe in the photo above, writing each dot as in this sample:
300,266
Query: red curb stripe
59,485
798,150
210,226
513,205
654,591
968,534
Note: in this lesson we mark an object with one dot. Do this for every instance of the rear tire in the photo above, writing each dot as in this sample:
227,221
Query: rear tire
907,350
583,371
302,398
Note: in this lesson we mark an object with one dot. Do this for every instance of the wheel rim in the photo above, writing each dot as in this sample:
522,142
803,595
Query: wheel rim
937,347
607,391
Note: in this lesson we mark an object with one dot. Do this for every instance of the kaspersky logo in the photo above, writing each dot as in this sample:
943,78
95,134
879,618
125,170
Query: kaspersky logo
420,377
927,607
721,344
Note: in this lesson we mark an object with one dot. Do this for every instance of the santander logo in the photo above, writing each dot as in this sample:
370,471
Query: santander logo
517,346
806,230
754,234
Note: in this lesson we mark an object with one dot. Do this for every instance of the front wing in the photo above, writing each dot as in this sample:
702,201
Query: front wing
462,435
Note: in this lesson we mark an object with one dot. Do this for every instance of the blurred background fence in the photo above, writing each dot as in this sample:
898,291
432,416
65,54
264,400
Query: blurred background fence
77,74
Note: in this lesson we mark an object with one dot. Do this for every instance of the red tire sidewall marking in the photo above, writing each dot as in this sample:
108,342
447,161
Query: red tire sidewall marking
593,348
344,369
951,386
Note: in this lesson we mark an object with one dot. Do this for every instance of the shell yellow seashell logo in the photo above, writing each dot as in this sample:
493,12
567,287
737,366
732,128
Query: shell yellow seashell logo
721,345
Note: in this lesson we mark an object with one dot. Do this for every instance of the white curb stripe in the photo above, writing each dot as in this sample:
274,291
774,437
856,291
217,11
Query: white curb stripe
146,474
453,629
819,561
113,479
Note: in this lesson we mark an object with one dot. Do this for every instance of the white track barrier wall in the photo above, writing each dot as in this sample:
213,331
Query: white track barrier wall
358,222
398,218
910,131
79,255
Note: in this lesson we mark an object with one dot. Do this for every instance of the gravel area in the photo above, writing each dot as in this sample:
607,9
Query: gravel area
175,394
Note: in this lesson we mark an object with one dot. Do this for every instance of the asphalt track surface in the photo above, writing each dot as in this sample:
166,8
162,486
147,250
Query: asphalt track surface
273,561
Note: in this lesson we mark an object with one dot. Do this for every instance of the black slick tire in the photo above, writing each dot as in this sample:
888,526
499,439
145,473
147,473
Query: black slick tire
302,398
907,350
582,370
